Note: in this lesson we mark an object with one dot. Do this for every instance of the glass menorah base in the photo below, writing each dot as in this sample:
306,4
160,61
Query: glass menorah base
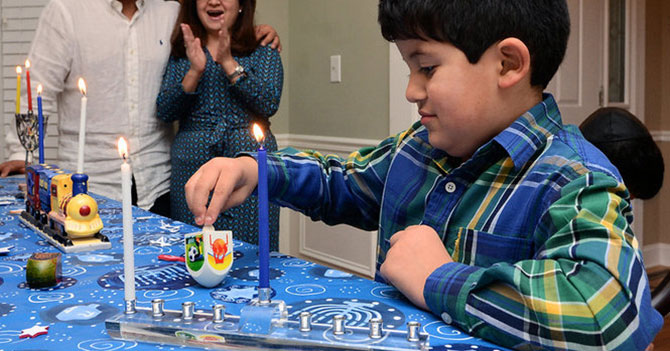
244,332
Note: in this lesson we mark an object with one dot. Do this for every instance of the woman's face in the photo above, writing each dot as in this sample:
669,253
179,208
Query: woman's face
212,12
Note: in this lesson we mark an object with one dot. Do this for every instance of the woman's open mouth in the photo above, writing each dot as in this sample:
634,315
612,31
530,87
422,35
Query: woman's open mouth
215,14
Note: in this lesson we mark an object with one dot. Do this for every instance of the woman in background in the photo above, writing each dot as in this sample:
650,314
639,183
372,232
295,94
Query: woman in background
218,82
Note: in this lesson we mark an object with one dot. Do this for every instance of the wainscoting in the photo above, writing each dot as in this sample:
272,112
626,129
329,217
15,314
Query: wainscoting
341,246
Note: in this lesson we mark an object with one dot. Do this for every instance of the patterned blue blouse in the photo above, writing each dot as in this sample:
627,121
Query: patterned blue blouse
215,121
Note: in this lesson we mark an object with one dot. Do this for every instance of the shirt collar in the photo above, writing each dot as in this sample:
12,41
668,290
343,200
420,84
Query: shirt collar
117,5
530,131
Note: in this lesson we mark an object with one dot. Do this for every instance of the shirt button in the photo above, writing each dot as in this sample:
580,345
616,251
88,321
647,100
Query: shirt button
446,317
450,187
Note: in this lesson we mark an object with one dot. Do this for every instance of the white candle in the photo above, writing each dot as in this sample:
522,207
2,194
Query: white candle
128,250
82,127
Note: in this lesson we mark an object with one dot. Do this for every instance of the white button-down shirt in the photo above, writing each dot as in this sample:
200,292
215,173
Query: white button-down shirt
122,62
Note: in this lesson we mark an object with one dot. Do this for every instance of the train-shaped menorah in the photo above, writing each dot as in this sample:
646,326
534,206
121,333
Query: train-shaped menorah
59,209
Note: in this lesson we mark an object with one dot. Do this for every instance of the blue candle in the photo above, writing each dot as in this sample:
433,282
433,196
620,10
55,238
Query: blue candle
263,231
40,120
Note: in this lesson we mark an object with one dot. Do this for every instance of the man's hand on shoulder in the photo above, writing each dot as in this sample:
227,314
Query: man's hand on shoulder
268,35
415,253
12,167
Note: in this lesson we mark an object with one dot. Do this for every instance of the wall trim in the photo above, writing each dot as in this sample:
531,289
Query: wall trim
656,255
661,135
292,224
364,269
326,144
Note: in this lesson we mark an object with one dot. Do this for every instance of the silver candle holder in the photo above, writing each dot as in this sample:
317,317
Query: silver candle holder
27,129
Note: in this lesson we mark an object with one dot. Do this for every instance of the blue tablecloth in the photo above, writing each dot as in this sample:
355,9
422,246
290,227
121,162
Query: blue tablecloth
92,289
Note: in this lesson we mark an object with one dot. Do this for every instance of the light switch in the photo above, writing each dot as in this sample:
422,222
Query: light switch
335,69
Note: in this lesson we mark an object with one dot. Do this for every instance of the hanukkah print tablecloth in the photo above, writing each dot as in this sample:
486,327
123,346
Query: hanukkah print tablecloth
91,290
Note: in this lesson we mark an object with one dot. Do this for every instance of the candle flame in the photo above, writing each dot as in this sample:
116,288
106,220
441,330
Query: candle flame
39,89
18,70
123,148
27,64
82,86
258,133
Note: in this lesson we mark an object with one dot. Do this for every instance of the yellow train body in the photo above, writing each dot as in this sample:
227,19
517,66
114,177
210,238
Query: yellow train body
78,214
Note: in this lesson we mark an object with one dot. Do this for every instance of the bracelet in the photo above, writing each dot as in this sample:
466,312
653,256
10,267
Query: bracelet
239,70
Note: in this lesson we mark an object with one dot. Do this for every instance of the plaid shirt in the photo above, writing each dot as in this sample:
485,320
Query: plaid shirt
537,222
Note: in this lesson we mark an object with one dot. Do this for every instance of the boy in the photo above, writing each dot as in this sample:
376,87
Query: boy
490,212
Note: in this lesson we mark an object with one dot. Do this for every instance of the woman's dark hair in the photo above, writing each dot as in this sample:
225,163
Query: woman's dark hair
474,25
629,146
243,36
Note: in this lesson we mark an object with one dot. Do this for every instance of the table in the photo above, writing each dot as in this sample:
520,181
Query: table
92,287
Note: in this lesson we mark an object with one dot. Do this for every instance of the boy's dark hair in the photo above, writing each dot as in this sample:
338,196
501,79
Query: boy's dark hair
243,36
629,146
473,26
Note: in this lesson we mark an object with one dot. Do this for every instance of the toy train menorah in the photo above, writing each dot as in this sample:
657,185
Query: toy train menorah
60,210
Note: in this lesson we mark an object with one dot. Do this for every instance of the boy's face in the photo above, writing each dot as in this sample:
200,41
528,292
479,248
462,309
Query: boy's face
458,102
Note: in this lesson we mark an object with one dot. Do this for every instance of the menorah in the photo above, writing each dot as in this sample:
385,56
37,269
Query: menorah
29,130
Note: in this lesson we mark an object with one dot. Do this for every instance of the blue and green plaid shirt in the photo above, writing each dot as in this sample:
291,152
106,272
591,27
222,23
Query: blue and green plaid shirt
537,222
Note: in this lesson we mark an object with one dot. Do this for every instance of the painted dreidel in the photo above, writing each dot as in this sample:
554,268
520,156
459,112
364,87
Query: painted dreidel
209,255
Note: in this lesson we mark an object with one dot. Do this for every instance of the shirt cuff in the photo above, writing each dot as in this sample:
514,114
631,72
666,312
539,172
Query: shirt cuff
447,289
16,156
273,178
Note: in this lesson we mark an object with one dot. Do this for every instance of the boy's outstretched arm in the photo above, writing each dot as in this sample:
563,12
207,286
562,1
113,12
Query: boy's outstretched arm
229,180
585,287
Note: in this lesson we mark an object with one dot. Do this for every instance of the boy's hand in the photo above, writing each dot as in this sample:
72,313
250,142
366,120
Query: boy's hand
415,253
268,35
229,180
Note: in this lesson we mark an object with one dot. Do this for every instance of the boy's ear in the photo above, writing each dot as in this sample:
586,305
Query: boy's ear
515,62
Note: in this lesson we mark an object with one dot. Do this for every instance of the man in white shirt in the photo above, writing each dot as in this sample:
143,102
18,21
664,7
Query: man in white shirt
120,48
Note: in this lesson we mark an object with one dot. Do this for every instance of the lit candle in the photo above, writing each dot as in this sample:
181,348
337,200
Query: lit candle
263,231
18,89
128,251
30,94
40,121
82,127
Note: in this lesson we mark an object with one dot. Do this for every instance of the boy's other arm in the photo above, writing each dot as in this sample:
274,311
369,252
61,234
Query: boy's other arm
415,253
229,180
585,288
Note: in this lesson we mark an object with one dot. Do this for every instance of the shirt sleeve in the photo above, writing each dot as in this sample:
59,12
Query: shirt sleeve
173,102
260,91
329,188
585,288
51,55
